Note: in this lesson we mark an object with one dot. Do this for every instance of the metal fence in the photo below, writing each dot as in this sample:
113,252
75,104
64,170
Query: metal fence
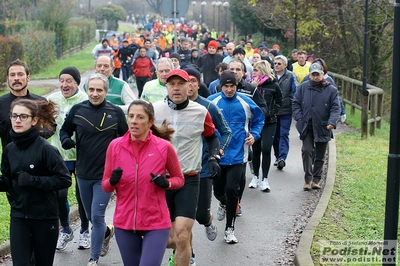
370,104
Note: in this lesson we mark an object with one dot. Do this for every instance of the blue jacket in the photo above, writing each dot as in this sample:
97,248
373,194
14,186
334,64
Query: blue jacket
318,105
224,132
243,116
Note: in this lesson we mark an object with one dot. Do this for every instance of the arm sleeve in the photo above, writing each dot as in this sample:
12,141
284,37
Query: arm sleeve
296,106
5,181
127,97
221,125
257,122
209,128
68,126
176,179
122,124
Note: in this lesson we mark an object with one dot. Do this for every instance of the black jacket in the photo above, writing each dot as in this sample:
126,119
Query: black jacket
95,126
48,173
272,95
207,64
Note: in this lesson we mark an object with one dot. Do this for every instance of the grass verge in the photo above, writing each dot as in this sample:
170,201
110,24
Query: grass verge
356,209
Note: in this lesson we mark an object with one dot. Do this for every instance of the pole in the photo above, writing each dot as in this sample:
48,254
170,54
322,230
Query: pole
175,34
393,175
295,24
365,63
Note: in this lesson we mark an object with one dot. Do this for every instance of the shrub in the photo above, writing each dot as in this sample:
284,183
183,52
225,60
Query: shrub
11,49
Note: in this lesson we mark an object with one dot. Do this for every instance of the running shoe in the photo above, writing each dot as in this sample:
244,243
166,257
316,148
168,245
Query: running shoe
221,212
265,185
106,243
63,240
84,240
211,232
92,262
230,236
171,259
254,182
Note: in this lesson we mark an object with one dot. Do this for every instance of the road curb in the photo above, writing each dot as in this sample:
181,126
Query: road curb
303,256
5,248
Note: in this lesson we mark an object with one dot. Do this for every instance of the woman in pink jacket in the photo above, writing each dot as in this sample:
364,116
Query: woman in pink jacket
136,168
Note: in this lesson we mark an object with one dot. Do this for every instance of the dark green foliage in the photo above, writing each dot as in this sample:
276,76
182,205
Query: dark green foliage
111,13
11,50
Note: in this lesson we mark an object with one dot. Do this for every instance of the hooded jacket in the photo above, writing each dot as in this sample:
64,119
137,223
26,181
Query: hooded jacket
141,204
319,105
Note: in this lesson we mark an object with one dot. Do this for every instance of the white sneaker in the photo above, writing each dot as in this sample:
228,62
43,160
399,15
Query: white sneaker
254,182
92,262
221,212
211,232
192,261
230,236
265,186
63,240
84,240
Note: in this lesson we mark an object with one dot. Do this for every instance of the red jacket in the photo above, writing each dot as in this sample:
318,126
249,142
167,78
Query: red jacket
142,67
141,204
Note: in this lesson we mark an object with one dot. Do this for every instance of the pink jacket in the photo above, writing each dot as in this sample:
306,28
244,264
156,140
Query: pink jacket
141,204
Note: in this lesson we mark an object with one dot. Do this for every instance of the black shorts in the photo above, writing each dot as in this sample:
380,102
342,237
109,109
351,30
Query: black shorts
183,201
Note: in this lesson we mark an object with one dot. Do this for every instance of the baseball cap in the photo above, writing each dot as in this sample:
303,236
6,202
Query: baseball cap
179,73
316,68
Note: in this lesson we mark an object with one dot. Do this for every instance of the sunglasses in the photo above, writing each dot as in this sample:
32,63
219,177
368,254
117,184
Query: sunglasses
277,63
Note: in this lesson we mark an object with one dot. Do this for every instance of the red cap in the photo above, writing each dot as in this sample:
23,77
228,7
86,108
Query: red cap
180,73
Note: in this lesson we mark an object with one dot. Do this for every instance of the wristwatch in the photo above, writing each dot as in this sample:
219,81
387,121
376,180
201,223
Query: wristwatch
215,157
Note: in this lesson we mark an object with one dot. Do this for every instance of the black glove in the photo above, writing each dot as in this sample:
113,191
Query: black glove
116,176
159,180
214,168
68,143
23,179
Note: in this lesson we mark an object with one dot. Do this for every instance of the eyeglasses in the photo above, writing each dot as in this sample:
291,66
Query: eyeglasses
22,117
277,63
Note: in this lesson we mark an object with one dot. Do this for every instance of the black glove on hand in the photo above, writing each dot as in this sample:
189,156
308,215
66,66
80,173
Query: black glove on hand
23,179
214,168
68,143
116,176
159,180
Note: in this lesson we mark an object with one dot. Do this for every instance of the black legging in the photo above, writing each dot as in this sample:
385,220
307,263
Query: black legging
227,190
264,145
39,234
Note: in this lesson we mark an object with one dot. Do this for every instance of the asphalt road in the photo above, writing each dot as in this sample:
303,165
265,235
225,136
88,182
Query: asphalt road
267,220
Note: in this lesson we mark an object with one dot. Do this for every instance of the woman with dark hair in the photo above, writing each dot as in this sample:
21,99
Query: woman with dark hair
266,82
32,173
136,167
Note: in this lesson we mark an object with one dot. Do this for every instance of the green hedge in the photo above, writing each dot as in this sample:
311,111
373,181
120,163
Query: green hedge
38,48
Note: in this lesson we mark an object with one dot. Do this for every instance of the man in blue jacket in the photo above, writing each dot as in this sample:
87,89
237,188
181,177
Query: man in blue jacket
246,121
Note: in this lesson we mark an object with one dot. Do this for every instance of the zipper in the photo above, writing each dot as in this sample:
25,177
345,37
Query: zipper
102,120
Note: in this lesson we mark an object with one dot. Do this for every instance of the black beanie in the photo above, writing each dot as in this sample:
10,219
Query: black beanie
73,72
175,55
227,76
193,72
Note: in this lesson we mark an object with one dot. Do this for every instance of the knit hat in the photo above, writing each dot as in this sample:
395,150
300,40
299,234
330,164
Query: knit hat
213,43
73,72
175,55
193,72
239,51
227,76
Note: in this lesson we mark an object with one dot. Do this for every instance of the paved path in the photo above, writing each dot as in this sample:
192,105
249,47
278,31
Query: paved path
267,220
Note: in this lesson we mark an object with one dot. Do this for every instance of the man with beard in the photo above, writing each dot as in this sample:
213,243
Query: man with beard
17,79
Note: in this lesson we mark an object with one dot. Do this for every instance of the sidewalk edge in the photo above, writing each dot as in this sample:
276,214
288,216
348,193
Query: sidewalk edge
303,256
